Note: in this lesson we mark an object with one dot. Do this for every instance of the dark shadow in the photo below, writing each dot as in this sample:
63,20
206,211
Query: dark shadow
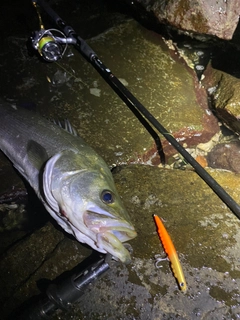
67,287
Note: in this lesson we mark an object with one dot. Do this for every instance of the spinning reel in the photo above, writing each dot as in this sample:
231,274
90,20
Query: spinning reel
51,44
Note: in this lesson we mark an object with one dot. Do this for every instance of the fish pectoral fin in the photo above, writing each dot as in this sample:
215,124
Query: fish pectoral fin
37,154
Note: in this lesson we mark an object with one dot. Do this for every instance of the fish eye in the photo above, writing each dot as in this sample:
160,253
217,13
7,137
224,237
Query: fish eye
107,196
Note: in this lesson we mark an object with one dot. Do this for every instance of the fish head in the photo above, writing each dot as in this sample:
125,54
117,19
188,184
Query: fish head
85,203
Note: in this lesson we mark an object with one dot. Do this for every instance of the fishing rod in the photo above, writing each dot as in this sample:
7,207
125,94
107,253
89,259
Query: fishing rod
50,48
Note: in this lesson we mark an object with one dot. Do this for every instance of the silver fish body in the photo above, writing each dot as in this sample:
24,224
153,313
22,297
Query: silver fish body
71,179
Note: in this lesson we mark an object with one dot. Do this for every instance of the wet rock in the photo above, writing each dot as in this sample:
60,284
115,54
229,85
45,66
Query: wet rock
155,75
33,251
217,18
204,231
43,253
224,91
225,156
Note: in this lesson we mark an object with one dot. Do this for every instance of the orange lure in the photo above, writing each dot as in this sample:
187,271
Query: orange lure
171,252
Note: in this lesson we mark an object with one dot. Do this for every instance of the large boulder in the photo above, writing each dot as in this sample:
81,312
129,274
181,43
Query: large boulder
212,17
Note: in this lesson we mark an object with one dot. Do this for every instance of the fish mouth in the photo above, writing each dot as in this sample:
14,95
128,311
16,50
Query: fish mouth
110,234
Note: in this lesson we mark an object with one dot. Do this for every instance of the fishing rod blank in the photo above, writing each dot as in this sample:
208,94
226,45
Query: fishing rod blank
132,102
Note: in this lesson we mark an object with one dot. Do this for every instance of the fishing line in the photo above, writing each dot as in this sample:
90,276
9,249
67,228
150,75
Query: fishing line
135,106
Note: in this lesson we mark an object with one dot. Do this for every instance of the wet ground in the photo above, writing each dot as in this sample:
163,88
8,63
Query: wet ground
204,230
206,238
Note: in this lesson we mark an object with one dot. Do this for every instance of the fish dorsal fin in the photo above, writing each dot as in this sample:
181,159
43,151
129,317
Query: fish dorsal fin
37,154
66,125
